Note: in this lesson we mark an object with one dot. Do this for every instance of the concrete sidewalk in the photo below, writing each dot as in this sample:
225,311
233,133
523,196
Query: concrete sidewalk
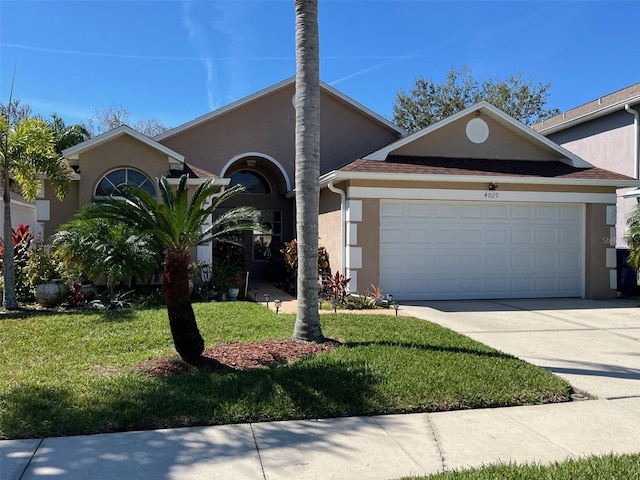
380,447
595,345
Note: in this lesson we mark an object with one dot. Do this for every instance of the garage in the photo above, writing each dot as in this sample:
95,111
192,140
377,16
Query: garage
441,250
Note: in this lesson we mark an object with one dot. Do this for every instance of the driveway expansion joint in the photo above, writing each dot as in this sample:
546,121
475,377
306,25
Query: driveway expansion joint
437,442
255,442
26,467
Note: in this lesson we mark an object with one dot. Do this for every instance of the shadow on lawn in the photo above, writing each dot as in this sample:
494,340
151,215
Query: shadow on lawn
136,402
431,348
115,316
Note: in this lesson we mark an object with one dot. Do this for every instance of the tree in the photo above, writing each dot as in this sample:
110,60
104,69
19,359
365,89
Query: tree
429,102
66,136
27,150
176,224
15,110
307,162
113,116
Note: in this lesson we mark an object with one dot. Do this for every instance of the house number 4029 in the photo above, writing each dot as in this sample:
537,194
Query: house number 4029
491,195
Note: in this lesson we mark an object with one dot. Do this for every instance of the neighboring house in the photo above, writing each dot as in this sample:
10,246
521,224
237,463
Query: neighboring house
606,133
22,212
476,206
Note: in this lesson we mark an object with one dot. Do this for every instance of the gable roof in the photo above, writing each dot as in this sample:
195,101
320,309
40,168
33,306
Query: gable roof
176,160
597,108
285,83
499,116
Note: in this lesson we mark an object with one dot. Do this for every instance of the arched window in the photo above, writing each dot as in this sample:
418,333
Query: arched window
253,182
109,184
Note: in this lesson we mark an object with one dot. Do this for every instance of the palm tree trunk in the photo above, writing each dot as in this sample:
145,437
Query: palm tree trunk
182,320
307,163
9,267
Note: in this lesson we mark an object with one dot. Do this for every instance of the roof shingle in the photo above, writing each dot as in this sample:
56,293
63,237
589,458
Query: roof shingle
473,166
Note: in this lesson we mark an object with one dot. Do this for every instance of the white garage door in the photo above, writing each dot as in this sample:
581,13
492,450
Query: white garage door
464,250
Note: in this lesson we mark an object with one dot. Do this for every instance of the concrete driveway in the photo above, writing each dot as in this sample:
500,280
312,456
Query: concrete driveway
594,344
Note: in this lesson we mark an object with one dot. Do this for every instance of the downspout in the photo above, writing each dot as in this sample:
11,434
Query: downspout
343,224
636,134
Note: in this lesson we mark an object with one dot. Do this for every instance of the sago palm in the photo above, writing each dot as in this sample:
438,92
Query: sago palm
176,224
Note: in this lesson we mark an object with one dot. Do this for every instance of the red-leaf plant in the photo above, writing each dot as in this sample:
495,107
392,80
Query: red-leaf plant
338,286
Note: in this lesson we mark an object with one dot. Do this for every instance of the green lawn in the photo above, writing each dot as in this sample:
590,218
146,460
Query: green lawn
610,467
72,373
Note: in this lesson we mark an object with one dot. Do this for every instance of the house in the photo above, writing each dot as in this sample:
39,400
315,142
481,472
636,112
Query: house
22,212
250,141
606,133
476,206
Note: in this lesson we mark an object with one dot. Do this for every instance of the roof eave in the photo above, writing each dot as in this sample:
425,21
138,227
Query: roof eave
412,177
223,182
587,117
73,153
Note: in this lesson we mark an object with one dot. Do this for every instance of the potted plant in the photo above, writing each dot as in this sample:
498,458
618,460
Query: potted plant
235,282
45,276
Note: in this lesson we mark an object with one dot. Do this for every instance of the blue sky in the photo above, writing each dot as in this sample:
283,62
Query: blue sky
176,60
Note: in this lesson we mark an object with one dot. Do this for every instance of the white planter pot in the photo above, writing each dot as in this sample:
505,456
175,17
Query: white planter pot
233,293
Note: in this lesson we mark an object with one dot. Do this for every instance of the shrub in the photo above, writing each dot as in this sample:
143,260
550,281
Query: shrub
336,288
290,254
22,240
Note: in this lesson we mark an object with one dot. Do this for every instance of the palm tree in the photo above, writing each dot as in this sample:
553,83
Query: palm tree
176,224
27,151
66,136
307,162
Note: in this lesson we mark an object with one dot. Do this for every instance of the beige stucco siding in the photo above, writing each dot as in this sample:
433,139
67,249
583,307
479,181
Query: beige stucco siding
121,152
330,229
60,211
346,134
369,242
451,141
266,126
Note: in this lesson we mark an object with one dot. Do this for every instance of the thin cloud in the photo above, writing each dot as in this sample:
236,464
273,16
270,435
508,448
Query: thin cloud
259,58
420,53
197,37
138,57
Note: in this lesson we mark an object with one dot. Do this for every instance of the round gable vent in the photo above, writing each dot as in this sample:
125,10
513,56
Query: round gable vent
477,130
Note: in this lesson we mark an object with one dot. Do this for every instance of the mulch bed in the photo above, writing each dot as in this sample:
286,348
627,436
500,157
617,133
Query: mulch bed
237,356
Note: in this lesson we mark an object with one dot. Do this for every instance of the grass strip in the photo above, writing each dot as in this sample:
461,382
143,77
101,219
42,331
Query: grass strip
610,467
